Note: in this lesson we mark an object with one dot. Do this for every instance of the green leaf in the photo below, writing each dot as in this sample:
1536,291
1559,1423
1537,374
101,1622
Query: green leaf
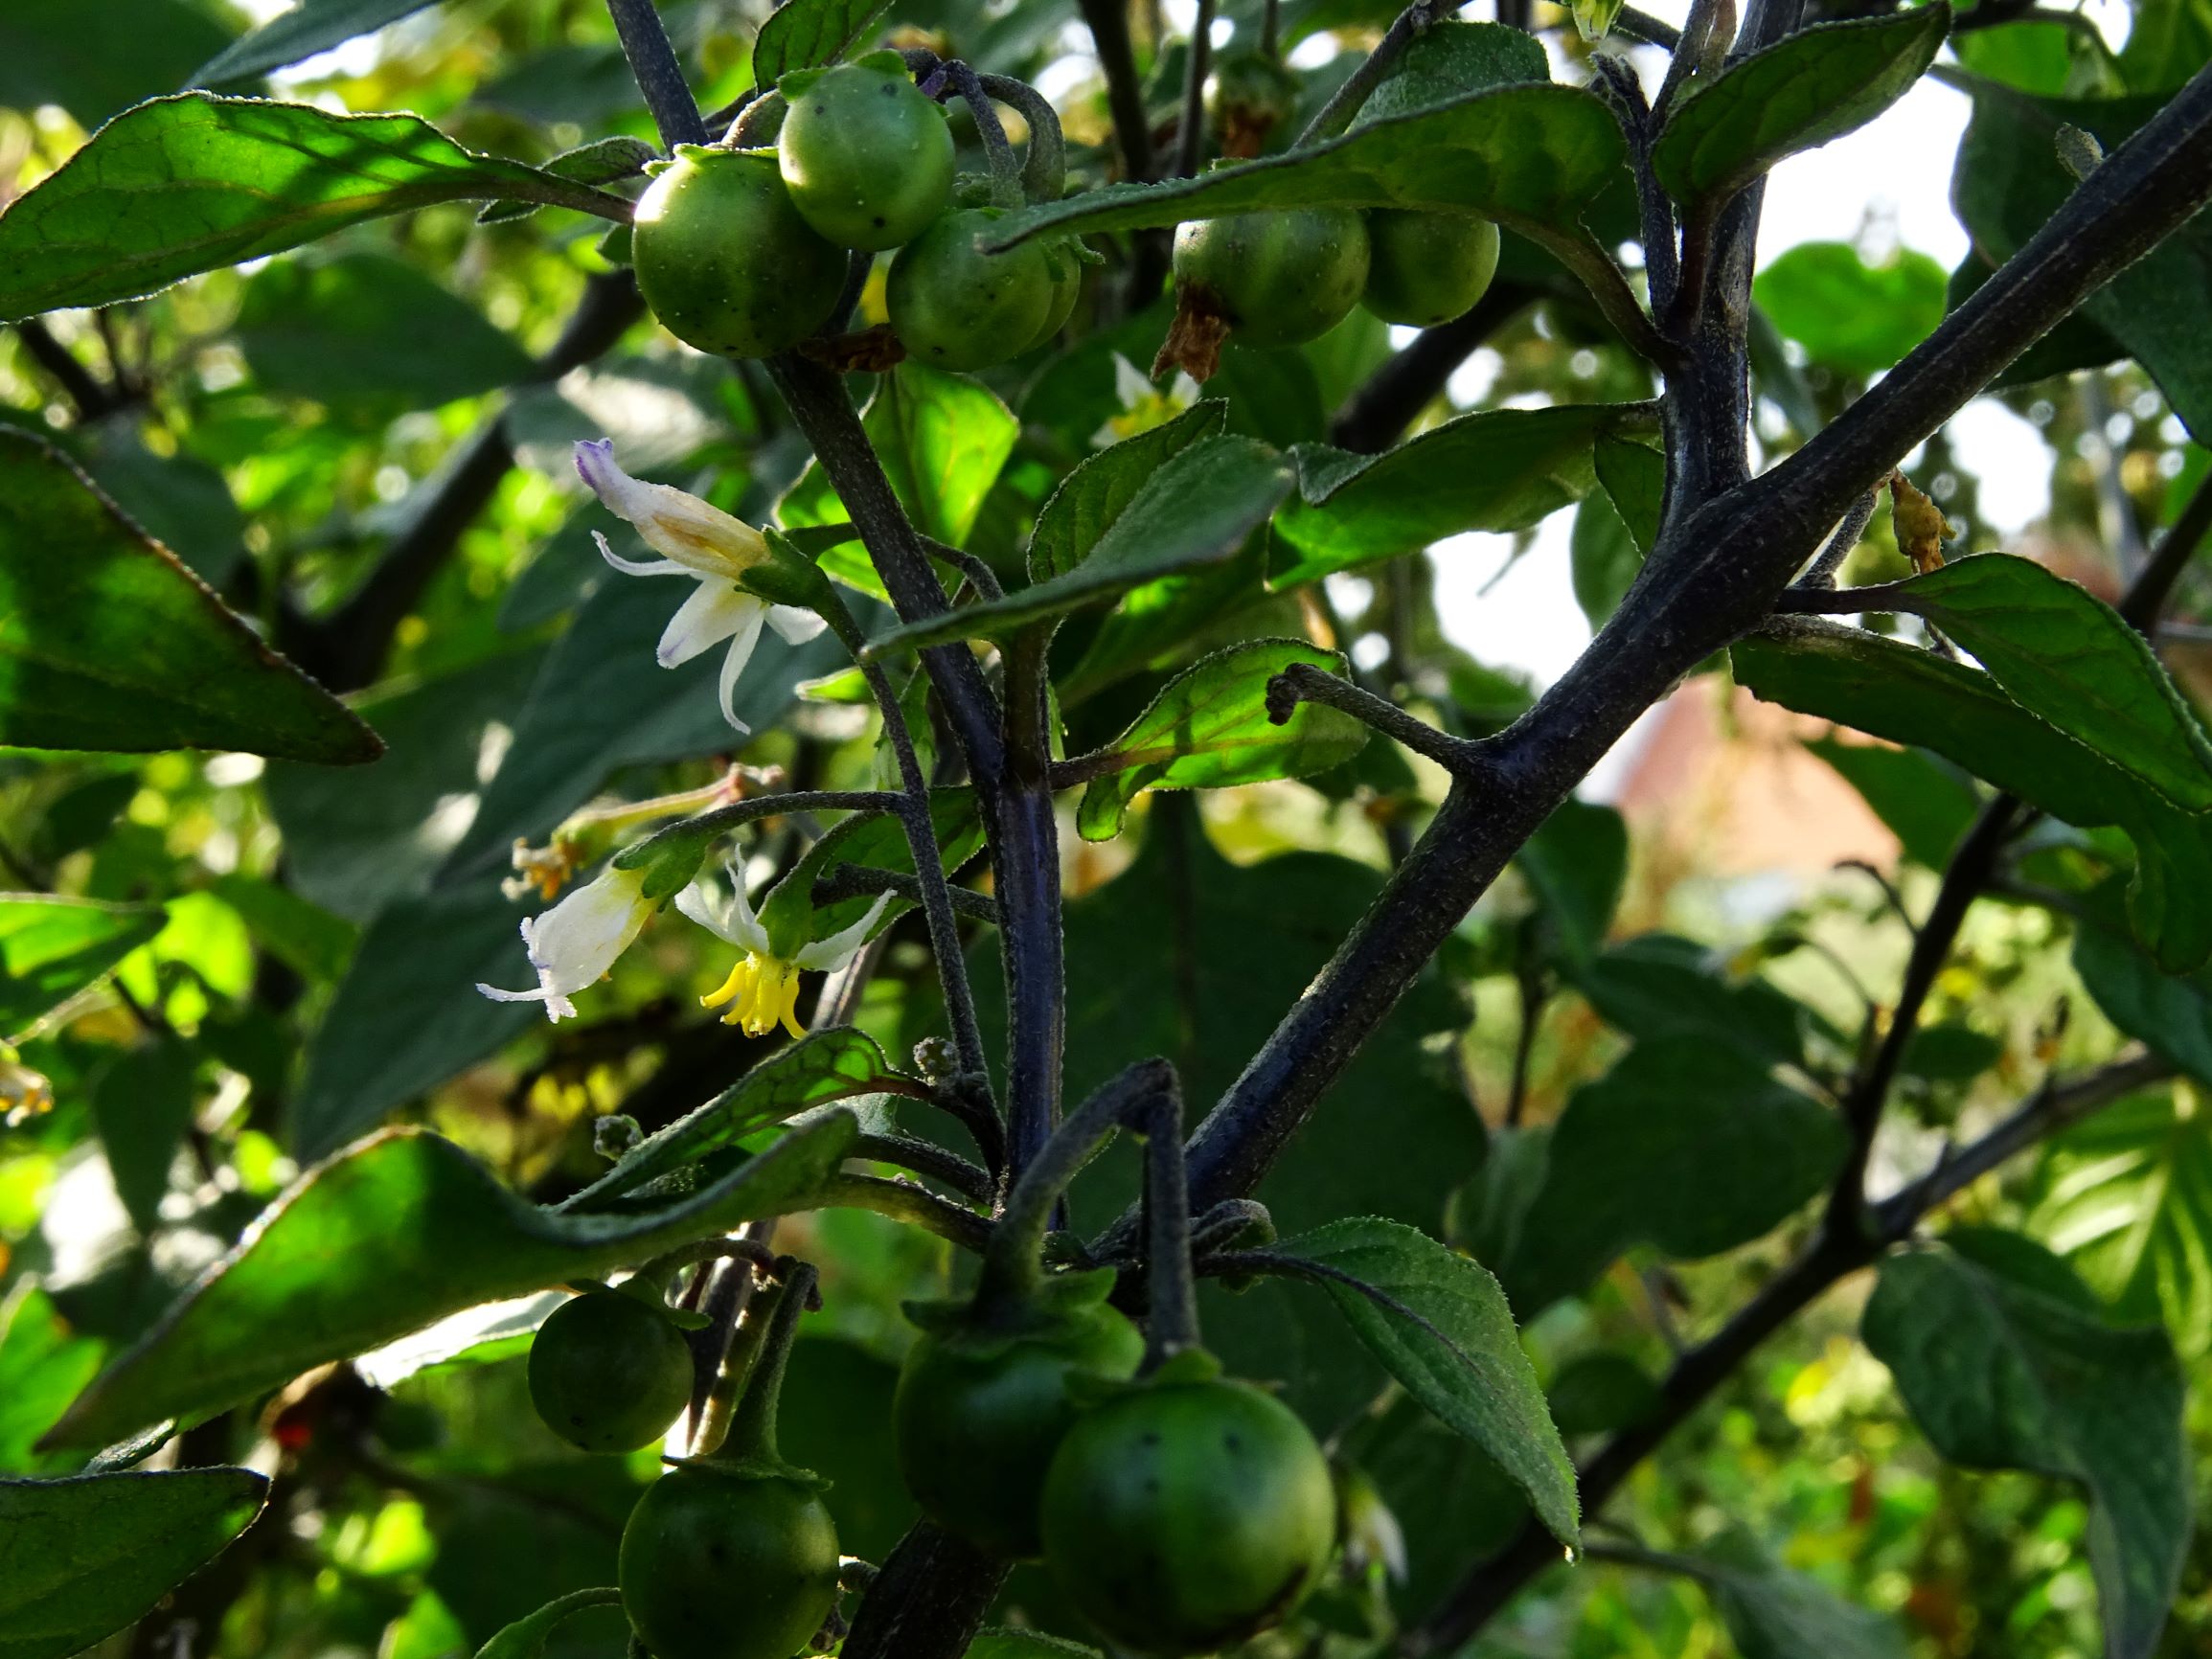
369,327
196,182
1802,92
310,27
1209,727
142,1105
1450,59
145,47
1773,1613
2066,656
601,161
106,642
1466,1366
43,1366
834,1064
1636,480
1925,804
400,1230
356,841
2168,41
2008,182
524,1638
1844,311
943,440
1659,984
1578,862
1084,508
1500,470
407,1016
1914,696
2128,1201
1195,510
1025,1644
1603,558
2170,1014
83,1558
602,702
2007,1362
806,33
178,500
1531,157
880,843
1685,1145
51,948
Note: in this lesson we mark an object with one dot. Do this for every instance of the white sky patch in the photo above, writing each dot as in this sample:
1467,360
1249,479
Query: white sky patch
1528,621
2010,457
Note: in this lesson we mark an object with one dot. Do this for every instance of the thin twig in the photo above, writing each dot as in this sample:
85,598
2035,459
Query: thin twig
1359,85
653,61
866,880
1305,683
1189,142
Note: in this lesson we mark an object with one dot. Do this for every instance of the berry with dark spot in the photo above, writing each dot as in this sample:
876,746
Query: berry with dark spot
723,1561
868,160
609,1372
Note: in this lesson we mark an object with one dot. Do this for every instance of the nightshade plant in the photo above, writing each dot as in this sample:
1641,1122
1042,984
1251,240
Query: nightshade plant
838,995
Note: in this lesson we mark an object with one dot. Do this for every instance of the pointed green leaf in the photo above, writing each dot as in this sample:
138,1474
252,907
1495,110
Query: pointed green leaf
526,1637
2066,656
1798,94
1636,480
1500,470
83,1558
1859,316
2128,1201
1465,1365
1025,1644
1925,804
2170,1013
1909,695
43,1366
1209,727
1685,1145
1578,862
1774,1613
806,33
51,948
822,1067
1195,510
1531,157
2007,1362
943,440
2158,310
106,642
395,1232
310,27
196,182
1099,491
144,50
1451,59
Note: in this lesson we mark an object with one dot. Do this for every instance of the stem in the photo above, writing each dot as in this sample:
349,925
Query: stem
1533,997
1272,30
1044,168
865,881
721,820
1171,1284
1189,142
753,1429
912,1202
1006,173
1821,572
928,1600
1029,903
2147,595
929,880
972,1181
1108,22
1304,683
1359,85
652,61
1013,1267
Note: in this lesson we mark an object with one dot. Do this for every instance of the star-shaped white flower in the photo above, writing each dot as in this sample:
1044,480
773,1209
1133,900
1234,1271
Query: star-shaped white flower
762,990
698,539
574,944
1144,405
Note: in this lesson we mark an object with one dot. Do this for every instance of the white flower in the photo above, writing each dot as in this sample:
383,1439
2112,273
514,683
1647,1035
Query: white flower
698,539
1144,406
574,944
762,990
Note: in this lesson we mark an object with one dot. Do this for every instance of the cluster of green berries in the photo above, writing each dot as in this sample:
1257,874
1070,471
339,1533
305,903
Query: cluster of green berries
1183,1512
744,252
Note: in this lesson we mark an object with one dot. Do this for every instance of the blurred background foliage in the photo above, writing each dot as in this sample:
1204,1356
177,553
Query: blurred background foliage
364,446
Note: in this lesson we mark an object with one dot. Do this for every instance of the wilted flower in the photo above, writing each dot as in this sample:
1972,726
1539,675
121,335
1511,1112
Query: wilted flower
698,539
574,944
762,990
